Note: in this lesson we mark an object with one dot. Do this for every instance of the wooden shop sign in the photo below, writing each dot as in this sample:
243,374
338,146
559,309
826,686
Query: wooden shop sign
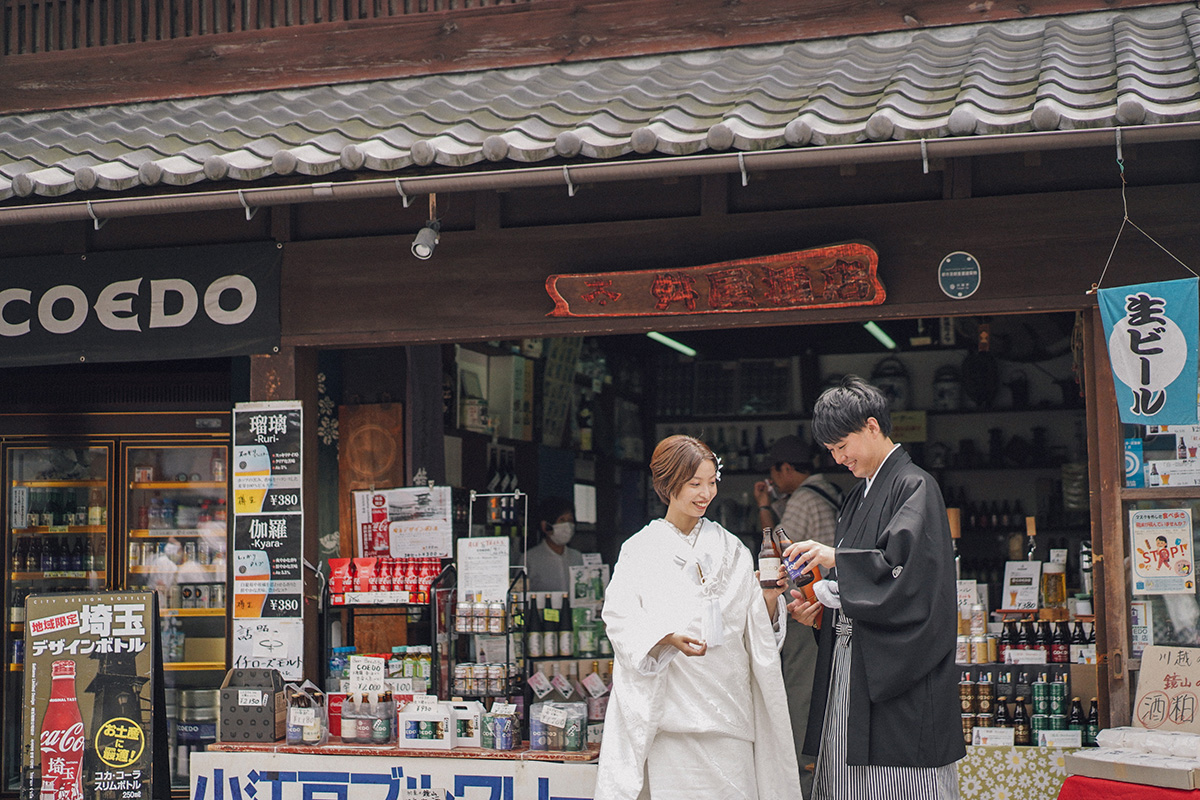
834,276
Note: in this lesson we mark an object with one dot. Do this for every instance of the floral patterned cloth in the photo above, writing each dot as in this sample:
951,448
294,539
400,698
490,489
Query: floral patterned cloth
1012,773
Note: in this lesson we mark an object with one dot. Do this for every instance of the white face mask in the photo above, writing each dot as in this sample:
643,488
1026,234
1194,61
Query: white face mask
561,533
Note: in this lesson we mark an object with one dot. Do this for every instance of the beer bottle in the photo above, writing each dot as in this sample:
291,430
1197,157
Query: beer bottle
1002,718
1078,642
1091,728
566,628
769,559
1076,721
550,627
1022,734
1060,645
533,617
1007,634
1043,638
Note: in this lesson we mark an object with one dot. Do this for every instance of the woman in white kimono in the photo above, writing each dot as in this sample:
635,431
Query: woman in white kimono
698,708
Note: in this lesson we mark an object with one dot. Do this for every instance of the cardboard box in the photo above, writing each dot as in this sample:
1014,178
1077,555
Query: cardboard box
467,718
1131,766
430,729
253,708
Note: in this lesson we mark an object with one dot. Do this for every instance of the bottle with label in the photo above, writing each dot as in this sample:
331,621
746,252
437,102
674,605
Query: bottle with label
1091,728
1022,734
1042,642
769,559
1060,645
566,629
62,737
95,511
216,465
1007,635
1003,720
550,615
1076,721
759,454
533,618
744,453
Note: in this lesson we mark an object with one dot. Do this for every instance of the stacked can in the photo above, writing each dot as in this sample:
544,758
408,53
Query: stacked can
1058,705
967,703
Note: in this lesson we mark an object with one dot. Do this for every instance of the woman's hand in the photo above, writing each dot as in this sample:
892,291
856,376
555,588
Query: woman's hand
685,644
809,552
762,493
771,594
803,610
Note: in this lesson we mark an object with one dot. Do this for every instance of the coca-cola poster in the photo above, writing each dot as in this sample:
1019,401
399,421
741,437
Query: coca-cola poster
89,727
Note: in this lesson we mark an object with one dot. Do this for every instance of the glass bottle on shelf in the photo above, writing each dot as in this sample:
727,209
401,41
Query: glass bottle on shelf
216,465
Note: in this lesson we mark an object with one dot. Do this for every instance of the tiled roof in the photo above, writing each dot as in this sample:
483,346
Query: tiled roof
1059,73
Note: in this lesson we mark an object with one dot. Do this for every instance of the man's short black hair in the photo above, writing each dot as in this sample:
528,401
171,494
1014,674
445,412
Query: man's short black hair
844,409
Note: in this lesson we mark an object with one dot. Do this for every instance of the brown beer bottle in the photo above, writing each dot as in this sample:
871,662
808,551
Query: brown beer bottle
1002,719
769,559
1022,734
1076,721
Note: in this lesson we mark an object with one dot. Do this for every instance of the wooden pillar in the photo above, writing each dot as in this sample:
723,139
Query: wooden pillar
291,374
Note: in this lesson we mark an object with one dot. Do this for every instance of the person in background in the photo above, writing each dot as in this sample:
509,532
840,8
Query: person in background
806,509
885,710
549,562
695,711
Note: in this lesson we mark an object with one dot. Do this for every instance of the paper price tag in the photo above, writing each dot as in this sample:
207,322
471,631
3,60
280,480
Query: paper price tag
367,673
425,794
540,684
423,704
504,709
595,685
1060,739
401,685
551,615
251,697
993,736
302,716
561,683
554,717
1012,656
591,559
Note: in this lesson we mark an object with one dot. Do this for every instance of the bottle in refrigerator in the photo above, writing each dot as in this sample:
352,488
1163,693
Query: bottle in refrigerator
216,465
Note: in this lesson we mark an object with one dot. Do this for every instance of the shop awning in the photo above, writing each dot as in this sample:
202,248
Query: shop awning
1065,81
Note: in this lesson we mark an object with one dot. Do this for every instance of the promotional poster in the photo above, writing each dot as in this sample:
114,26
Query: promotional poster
89,728
1162,551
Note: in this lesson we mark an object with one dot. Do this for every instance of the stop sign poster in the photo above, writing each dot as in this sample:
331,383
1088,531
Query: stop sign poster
88,730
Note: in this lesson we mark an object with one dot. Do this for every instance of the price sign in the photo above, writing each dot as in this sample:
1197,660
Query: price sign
554,717
251,697
366,674
423,704
1021,583
1002,737
1060,738
302,716
504,709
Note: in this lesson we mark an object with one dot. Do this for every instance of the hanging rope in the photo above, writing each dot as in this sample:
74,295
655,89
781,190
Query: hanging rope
1125,220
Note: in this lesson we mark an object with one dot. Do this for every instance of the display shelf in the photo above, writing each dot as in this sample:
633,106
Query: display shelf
172,485
192,612
1162,493
61,529
63,575
215,569
160,533
193,666
61,484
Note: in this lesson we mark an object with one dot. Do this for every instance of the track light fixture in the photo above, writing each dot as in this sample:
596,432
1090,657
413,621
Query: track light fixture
428,237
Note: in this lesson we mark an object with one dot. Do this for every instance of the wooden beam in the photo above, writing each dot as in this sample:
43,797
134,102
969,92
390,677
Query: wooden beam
509,35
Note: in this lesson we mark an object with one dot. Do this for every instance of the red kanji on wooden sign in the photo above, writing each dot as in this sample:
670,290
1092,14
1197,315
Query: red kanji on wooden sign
833,276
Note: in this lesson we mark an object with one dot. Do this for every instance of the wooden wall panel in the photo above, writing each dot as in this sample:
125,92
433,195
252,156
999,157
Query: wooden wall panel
370,455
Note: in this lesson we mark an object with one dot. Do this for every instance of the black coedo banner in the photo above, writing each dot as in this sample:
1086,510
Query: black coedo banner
140,305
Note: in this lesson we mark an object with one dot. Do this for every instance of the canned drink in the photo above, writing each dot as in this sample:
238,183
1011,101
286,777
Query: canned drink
479,678
993,643
174,596
1041,697
496,679
479,622
979,650
504,732
439,730
968,727
495,618
412,729
200,595
538,734
573,734
426,728
966,696
187,596
135,554
461,672
962,652
487,732
216,596
1058,697
464,621
1037,724
1058,722
985,720
985,697
189,551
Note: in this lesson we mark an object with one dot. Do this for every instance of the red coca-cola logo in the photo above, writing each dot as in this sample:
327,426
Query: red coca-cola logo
64,741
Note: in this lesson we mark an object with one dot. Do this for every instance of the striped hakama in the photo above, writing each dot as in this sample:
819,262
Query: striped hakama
836,780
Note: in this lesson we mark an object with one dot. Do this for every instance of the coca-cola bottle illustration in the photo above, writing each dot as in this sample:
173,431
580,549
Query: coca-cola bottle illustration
62,737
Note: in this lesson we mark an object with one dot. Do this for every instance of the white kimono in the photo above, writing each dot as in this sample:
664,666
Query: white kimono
665,583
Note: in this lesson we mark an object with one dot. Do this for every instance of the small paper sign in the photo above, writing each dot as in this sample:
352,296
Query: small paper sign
540,684
592,560
302,716
1060,738
1167,686
483,568
595,685
402,685
1002,737
554,717
1021,579
504,709
1141,627
423,704
366,674
1058,556
551,615
425,794
251,697
1014,656
563,685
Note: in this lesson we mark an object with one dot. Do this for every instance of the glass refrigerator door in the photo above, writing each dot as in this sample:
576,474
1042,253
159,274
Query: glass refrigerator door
57,541
175,520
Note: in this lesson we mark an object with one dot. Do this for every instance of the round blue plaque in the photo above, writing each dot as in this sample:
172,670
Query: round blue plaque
958,275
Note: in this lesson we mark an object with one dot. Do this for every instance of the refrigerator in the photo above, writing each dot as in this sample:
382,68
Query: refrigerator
135,502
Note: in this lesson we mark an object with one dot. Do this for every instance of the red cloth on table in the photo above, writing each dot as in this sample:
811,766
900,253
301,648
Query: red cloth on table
1077,787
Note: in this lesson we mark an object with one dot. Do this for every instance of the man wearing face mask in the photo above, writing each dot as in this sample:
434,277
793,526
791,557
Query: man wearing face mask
549,562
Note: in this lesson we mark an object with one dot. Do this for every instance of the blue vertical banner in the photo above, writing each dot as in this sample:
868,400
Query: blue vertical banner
1152,331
